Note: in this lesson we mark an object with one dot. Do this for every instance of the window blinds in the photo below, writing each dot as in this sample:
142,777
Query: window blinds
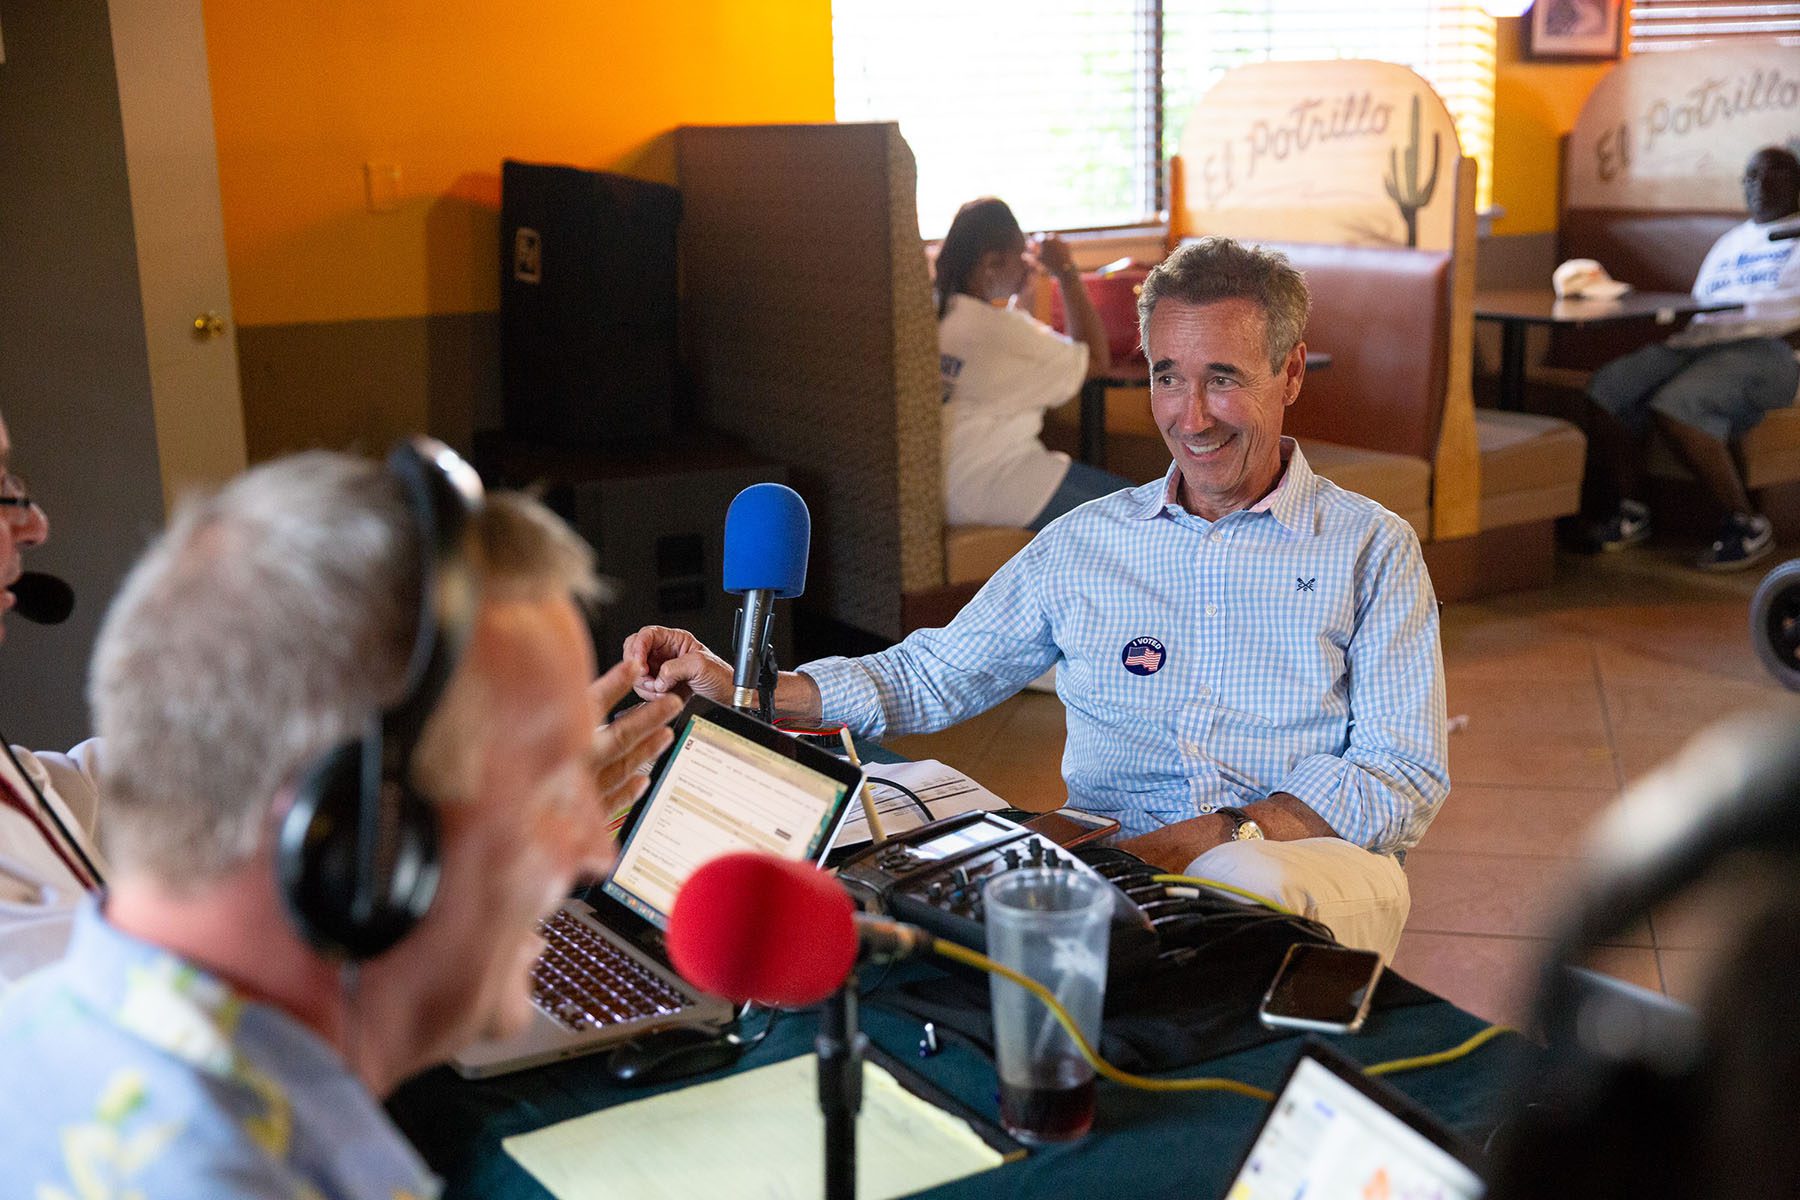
1658,25
1068,109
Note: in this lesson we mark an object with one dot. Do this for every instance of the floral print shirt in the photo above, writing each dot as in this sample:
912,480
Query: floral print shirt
128,1074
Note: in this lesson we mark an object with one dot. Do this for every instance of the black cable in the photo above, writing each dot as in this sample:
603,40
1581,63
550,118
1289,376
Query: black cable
766,677
1186,952
748,1044
908,793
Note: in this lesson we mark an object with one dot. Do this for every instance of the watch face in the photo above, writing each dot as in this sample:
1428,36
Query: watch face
1248,831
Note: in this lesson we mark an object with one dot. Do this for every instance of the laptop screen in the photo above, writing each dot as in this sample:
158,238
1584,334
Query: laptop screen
1326,1137
719,791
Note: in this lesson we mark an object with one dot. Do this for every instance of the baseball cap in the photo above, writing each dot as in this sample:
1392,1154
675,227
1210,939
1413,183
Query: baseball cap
1585,279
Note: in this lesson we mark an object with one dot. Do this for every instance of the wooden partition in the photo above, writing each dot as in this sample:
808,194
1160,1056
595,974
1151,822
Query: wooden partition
813,339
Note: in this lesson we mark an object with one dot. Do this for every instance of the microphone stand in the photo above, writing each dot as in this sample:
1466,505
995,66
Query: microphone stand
840,1045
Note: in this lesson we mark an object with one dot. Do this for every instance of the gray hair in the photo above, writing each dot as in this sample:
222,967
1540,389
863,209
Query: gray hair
1219,268
270,622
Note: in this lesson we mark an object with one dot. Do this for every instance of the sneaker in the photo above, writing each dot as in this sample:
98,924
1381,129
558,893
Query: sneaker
1629,526
1743,540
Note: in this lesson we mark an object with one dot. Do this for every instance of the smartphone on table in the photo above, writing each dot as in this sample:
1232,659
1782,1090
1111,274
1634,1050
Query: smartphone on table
1321,987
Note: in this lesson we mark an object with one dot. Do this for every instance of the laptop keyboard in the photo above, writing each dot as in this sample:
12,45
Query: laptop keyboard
583,981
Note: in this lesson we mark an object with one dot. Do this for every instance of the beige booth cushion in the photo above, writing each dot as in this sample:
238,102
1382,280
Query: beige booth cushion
974,552
1531,467
1399,483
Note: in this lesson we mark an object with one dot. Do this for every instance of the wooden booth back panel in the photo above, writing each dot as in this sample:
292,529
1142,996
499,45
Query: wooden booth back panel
812,338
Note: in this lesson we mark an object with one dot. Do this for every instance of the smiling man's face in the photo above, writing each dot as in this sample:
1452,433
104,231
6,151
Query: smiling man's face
1217,402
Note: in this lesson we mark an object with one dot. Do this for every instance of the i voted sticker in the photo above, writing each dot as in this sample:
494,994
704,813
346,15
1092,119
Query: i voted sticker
1143,656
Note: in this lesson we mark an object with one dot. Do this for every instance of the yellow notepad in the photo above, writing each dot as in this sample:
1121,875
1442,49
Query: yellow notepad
758,1133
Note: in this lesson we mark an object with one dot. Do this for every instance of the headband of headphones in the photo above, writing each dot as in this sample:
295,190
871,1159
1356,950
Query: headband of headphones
357,854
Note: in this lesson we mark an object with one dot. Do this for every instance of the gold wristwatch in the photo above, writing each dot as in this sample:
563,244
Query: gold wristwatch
1244,826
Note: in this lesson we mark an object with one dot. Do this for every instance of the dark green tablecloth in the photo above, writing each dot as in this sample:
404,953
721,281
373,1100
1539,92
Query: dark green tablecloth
1144,1144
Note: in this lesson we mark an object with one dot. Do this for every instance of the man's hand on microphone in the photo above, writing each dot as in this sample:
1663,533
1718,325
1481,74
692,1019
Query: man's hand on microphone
673,662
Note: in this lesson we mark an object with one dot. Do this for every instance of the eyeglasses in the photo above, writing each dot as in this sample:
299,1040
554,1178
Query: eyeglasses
16,504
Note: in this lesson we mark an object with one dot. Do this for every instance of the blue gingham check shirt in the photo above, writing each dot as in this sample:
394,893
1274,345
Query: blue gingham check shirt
1290,647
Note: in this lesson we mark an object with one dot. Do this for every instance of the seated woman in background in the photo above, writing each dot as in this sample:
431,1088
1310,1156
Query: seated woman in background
1003,369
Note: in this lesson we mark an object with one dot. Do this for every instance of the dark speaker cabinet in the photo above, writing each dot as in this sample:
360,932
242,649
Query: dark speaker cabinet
587,307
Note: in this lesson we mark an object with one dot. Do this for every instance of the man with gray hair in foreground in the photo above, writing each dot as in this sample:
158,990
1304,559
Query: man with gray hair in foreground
193,1041
1248,654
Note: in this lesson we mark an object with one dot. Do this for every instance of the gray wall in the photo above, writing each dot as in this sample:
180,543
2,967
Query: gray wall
74,371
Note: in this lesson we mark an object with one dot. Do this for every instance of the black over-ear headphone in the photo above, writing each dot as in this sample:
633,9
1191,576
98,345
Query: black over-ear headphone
357,854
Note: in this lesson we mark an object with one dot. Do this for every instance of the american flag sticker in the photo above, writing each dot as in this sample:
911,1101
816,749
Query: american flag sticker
1143,656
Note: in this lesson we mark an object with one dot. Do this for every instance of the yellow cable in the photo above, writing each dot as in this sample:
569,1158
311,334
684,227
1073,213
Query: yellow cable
1197,881
1106,1070
1442,1056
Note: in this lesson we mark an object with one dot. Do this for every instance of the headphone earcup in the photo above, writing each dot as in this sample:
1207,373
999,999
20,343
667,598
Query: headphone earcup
317,862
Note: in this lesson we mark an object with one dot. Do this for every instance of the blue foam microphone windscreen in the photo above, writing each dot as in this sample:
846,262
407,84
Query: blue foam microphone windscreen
767,533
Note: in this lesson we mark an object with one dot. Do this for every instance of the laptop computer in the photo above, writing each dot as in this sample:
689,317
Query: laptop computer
728,782
1334,1133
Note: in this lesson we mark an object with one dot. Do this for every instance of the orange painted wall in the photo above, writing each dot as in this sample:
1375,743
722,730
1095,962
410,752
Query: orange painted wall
306,93
1535,103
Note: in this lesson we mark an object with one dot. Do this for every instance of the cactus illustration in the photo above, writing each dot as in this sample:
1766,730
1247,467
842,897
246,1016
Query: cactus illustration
1415,197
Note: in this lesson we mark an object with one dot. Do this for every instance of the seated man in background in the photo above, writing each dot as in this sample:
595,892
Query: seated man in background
1248,653
192,1042
48,802
1708,385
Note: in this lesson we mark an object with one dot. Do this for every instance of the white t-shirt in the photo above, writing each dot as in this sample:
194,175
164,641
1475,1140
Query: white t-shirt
1001,370
38,895
1744,265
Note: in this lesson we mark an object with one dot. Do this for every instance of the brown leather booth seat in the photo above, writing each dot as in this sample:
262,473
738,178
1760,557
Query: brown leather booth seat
1383,316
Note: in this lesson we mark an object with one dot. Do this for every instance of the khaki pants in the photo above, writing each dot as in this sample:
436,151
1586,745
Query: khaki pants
1361,897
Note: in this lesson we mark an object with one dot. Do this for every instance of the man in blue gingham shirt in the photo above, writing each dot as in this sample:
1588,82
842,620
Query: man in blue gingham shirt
1248,653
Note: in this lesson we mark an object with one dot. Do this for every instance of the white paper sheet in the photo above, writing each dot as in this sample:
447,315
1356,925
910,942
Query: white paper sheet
945,790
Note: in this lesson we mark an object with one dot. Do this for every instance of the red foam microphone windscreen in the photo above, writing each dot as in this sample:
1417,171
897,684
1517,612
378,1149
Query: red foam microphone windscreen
754,927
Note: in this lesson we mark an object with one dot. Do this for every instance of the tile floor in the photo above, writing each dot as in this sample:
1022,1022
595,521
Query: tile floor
1569,693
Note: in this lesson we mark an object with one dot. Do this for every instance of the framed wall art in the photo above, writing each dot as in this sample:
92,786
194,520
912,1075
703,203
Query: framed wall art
1573,29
